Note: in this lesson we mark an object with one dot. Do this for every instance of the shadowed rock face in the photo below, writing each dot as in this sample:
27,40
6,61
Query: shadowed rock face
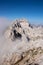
18,24
22,44
16,34
28,38
34,64
30,26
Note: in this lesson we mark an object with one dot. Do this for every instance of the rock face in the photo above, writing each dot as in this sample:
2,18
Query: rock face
22,44
16,30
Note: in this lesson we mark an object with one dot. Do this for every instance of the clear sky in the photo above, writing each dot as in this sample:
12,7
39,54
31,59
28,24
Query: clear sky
29,9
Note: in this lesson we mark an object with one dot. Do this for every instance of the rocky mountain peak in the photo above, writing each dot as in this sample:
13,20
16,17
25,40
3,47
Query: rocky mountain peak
17,29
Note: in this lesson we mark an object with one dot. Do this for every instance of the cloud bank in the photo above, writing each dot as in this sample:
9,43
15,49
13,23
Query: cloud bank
4,22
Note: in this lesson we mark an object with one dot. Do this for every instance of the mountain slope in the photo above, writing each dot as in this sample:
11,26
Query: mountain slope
21,44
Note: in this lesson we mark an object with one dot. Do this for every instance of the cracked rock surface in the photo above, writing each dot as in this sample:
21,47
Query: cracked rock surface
21,44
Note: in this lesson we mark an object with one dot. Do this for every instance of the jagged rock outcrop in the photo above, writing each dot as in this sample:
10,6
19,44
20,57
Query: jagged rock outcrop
17,29
30,57
22,44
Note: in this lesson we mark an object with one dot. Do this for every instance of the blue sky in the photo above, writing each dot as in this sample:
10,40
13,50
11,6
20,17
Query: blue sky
29,9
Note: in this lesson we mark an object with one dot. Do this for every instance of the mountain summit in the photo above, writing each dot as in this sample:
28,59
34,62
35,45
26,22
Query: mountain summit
17,29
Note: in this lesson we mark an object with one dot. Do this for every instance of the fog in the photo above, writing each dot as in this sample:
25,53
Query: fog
4,22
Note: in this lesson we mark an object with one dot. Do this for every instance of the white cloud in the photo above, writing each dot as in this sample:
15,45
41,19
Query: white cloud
3,23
